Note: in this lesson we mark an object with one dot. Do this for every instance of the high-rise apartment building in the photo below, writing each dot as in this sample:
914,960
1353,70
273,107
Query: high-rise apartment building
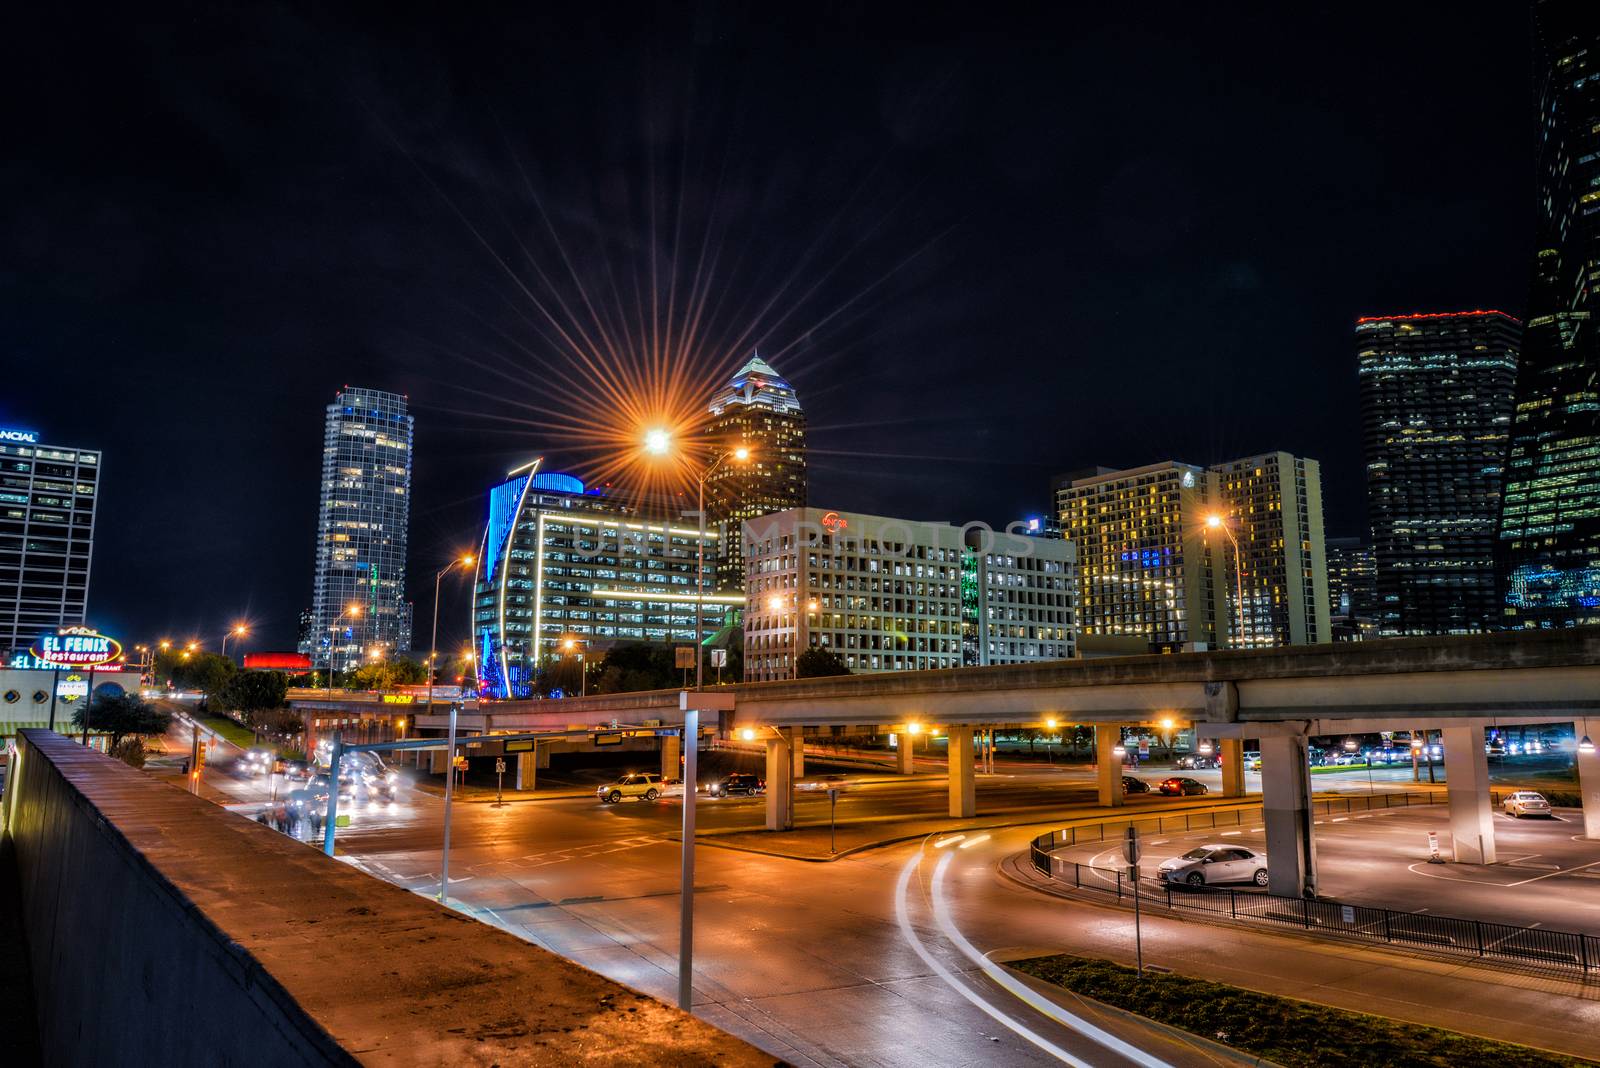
1273,505
1151,565
358,598
1549,563
1352,589
900,595
759,410
561,562
47,507
1145,566
1436,399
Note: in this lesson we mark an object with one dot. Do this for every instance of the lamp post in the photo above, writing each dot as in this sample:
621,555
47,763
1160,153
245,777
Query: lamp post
352,610
239,631
1216,522
567,646
658,443
433,642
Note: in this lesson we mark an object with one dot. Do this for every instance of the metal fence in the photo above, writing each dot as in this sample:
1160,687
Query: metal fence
1564,950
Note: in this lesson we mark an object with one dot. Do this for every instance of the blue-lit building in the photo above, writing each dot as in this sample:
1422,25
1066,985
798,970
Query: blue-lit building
562,563
358,603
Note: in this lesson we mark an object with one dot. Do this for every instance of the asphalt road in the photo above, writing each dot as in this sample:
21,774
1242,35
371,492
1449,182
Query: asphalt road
1548,875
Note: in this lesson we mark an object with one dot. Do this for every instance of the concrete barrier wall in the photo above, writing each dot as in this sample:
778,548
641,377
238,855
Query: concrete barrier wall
162,929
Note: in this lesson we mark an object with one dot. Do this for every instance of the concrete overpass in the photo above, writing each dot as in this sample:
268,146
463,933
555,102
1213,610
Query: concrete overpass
1283,697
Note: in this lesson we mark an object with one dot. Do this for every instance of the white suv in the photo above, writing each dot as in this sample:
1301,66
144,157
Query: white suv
642,785
1526,803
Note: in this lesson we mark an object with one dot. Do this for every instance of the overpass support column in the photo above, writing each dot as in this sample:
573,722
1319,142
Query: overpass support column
1588,783
905,753
797,748
528,770
438,760
671,757
780,785
1231,752
1108,769
1286,808
1466,782
963,796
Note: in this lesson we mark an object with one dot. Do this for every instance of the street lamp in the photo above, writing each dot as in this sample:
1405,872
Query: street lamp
658,442
353,610
1216,522
433,643
570,645
239,631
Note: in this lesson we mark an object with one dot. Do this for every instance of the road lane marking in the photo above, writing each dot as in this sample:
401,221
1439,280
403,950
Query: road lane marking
998,975
902,915
1227,833
1559,871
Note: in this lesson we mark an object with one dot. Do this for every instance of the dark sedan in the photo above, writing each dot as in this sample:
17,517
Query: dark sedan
1180,787
1130,785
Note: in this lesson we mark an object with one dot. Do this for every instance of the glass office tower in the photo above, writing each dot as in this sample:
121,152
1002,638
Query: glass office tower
47,507
1550,517
358,600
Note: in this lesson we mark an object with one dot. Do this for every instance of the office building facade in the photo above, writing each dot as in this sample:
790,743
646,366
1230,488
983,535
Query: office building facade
1145,567
1549,545
560,562
48,496
1436,400
1352,589
900,595
358,604
759,410
1273,505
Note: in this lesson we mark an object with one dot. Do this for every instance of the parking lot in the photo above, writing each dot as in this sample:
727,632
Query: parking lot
1547,875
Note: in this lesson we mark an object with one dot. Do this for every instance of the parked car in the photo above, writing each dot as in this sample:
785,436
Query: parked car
1130,785
1181,787
1213,864
1526,803
643,785
737,783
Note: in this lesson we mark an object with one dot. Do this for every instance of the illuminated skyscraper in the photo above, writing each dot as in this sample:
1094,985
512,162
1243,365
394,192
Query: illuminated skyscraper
1550,515
1352,590
758,409
1273,503
47,506
358,599
1436,395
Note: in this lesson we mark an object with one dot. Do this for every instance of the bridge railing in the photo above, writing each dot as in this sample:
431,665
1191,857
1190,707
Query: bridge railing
1566,951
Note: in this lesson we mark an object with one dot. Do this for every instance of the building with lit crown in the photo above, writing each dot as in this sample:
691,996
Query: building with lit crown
48,495
1436,399
901,595
562,562
1549,544
1352,590
358,603
757,409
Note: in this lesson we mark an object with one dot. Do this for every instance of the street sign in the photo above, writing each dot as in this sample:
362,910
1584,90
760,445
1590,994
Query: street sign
684,655
719,658
1130,846
1144,747
1347,913
1433,848
499,765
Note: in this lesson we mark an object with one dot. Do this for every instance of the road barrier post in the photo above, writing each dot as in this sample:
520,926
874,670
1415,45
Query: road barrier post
332,815
691,746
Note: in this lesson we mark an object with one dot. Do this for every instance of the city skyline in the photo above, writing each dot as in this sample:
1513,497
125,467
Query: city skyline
901,348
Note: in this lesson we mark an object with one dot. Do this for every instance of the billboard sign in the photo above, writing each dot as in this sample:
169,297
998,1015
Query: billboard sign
76,647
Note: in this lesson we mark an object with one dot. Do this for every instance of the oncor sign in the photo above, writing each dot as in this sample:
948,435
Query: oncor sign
76,647
833,522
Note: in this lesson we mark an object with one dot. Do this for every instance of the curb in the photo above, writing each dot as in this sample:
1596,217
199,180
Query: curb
1209,1046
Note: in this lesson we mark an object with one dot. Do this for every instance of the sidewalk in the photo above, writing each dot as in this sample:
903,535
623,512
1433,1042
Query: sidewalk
1537,1009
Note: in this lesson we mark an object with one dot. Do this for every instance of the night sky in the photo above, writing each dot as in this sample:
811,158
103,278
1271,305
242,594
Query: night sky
985,244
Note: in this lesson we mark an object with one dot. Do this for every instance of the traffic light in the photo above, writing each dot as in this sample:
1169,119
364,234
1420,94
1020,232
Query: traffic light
200,756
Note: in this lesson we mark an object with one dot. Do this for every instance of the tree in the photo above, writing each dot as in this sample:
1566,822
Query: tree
252,691
121,715
130,751
817,662
387,674
633,667
275,720
206,672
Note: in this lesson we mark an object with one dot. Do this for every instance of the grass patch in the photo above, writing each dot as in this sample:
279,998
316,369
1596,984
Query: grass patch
239,736
1292,1033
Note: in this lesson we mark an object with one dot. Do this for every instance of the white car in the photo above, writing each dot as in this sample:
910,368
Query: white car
1212,864
1526,803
